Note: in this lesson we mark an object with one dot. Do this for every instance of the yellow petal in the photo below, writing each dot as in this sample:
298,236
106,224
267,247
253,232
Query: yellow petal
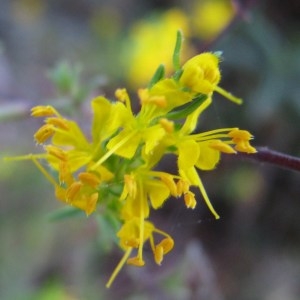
201,73
190,175
172,92
126,149
152,137
71,137
188,153
101,109
208,157
158,192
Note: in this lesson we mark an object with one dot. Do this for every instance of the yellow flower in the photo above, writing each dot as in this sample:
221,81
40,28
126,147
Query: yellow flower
144,188
133,235
68,150
201,75
145,126
151,43
211,17
201,151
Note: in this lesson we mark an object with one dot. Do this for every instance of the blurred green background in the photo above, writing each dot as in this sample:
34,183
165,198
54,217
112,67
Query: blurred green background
252,252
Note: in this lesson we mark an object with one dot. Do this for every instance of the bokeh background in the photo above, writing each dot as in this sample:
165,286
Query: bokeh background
64,53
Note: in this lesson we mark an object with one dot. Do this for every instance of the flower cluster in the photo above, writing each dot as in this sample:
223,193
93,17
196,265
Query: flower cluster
114,169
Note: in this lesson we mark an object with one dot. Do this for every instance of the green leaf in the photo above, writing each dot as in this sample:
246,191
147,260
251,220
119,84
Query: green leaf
186,109
158,75
177,49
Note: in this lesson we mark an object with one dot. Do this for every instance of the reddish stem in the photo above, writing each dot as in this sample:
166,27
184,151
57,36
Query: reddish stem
279,159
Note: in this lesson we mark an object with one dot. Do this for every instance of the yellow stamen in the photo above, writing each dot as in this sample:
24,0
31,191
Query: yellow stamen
169,182
189,199
58,122
213,134
167,125
43,111
26,157
44,133
136,261
221,146
133,243
167,244
241,139
89,179
122,96
60,193
91,203
158,254
131,185
43,170
182,187
244,146
65,175
56,152
119,267
240,134
73,190
159,101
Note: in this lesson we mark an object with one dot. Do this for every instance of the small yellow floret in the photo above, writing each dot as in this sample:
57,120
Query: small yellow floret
201,73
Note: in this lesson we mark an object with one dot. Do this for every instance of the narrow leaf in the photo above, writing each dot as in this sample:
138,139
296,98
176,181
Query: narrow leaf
177,49
186,109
